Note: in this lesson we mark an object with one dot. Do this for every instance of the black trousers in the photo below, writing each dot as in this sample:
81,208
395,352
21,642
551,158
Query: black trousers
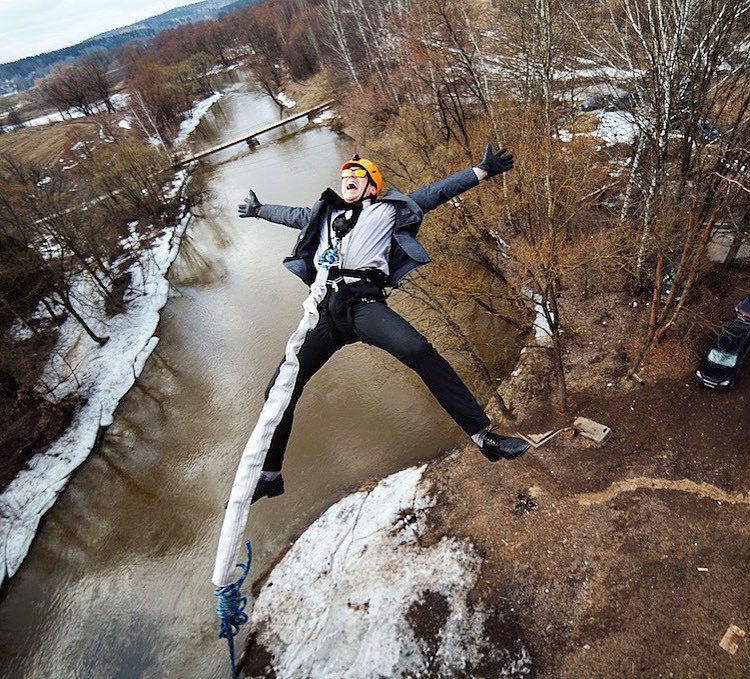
358,312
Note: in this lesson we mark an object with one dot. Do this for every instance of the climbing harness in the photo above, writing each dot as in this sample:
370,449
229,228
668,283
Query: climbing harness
372,276
230,607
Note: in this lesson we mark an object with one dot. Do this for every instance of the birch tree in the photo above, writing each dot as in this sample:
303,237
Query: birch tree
546,198
339,39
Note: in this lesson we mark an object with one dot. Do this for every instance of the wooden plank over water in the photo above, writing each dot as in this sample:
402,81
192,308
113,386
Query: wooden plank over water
255,133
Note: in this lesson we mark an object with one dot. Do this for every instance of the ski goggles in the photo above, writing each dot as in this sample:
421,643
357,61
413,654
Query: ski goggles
353,172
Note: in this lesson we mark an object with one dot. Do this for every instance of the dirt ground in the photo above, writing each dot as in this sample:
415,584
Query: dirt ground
625,560
628,559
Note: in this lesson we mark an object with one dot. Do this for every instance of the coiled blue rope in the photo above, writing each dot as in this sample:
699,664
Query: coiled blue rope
230,607
328,257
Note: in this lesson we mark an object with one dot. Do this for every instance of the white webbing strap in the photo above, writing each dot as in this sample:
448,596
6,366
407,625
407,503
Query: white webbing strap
254,454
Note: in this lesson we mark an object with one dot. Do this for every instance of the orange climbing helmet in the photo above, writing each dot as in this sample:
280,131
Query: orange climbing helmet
369,166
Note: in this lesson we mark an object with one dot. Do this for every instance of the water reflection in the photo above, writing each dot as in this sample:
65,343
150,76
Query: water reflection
196,266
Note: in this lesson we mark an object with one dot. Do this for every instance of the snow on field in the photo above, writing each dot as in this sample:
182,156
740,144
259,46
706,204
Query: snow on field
118,100
102,374
616,127
56,117
346,598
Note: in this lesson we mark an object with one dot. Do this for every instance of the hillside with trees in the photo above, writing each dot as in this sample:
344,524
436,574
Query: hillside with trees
424,84
23,71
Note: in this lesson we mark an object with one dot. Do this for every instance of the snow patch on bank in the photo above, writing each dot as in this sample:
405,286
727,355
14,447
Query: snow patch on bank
324,117
344,600
285,100
542,330
616,127
189,124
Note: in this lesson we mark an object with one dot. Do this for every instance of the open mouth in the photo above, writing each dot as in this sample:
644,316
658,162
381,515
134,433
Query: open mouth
351,186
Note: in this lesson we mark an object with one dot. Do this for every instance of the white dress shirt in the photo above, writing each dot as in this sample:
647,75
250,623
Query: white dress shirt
368,244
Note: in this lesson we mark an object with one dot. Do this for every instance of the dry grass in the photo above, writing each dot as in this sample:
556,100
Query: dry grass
45,144
39,145
310,92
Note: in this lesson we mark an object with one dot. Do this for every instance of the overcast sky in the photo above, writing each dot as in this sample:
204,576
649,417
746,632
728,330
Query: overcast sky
29,27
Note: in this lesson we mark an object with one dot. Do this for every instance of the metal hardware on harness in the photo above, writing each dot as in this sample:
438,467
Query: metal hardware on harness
372,276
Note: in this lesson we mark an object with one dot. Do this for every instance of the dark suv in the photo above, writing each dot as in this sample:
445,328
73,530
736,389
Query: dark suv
721,365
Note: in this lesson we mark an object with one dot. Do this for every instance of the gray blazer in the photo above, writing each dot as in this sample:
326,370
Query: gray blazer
406,252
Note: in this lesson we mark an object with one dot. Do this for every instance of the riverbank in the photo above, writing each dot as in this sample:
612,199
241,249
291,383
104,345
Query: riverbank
117,580
100,376
96,377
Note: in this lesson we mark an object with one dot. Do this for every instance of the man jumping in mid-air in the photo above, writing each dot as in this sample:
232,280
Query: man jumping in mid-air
370,243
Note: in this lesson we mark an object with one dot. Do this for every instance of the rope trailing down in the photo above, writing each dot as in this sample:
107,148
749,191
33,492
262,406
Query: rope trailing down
230,607
254,454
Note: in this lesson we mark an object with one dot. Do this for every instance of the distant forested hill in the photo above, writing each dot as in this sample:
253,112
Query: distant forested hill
25,70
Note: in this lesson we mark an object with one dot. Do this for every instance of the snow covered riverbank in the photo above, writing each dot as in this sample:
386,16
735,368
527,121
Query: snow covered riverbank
360,595
100,374
103,375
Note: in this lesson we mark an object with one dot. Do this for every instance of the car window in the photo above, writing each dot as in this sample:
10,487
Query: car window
724,358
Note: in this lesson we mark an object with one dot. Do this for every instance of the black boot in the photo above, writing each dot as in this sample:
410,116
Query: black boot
268,488
496,447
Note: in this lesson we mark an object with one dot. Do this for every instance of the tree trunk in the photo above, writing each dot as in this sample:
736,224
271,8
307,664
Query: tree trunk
68,304
552,315
653,316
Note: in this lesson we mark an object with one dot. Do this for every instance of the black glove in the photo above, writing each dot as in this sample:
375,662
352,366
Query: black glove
495,163
250,207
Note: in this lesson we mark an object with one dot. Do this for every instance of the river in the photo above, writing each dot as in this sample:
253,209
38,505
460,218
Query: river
117,582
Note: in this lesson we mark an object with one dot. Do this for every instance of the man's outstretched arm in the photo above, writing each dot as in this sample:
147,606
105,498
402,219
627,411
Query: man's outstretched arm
294,217
435,194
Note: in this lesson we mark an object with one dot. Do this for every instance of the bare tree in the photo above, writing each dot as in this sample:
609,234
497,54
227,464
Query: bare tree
339,40
685,64
130,175
94,68
159,97
56,238
442,305
545,202
82,86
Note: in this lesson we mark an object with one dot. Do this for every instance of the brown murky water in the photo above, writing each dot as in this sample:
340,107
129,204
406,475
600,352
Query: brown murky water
117,583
